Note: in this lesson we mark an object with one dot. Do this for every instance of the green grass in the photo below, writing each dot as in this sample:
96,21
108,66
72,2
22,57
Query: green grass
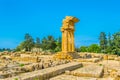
16,79
21,65
100,64
36,79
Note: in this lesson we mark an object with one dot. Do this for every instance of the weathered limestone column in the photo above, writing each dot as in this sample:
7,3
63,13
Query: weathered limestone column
65,41
68,34
62,40
70,41
72,36
67,30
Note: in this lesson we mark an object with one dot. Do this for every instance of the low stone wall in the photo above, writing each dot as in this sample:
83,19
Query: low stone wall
46,73
25,59
89,60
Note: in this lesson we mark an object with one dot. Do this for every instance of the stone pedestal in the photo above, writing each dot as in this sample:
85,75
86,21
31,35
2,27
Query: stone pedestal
66,56
67,29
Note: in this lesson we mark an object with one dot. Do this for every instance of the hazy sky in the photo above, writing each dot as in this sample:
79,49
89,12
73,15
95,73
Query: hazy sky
44,17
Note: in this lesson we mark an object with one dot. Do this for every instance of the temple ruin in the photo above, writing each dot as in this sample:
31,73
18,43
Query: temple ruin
68,29
68,46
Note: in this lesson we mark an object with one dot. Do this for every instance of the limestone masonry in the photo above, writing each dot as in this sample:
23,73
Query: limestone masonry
68,48
68,29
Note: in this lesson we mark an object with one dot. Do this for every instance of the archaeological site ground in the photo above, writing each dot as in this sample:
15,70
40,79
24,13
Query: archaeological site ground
64,65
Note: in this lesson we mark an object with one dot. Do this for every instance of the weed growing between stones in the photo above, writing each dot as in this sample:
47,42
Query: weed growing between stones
21,65
36,79
16,79
100,64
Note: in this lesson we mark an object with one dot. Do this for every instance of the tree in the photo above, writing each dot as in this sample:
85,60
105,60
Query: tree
44,43
109,39
51,43
37,44
3,49
103,42
58,44
94,48
27,44
77,49
21,46
109,45
116,43
83,49
0,50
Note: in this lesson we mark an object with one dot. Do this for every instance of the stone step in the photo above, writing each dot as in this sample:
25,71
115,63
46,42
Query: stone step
95,71
71,77
47,73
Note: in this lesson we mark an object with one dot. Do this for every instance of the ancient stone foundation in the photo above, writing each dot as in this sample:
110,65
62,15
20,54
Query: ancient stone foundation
66,56
47,73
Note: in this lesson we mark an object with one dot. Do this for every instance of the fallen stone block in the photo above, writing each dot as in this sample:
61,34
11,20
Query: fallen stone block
48,72
89,71
71,77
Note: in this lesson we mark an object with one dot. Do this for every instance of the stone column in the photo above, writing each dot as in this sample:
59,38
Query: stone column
73,45
67,30
70,41
65,41
68,34
62,40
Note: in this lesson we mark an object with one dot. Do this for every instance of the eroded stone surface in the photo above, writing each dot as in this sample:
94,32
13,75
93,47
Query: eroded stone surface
67,30
12,65
48,72
68,33
89,71
71,77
